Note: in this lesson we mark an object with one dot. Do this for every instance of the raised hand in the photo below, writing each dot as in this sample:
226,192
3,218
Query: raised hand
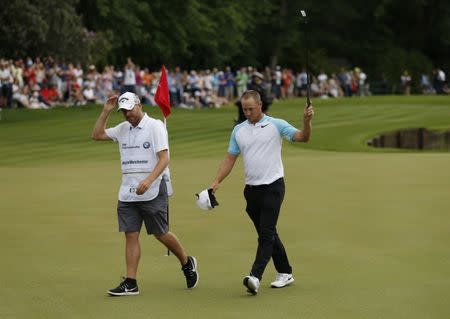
308,113
110,103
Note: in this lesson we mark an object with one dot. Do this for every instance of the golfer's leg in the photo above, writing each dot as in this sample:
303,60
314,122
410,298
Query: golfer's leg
265,245
279,256
253,208
272,198
132,253
267,231
173,244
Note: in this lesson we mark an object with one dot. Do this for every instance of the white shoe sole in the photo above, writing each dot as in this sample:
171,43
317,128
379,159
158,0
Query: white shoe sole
250,288
129,293
282,284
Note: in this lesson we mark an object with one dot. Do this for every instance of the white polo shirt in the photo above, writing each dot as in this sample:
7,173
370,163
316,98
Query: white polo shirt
130,77
138,148
260,145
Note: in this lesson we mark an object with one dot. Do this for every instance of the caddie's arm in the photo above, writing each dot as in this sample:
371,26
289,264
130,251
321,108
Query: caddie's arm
224,169
98,133
163,161
304,134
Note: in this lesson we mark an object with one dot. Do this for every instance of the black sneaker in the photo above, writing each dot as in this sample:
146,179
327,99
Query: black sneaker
190,272
126,288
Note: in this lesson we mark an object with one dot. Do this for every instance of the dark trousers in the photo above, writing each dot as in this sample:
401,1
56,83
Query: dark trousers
263,208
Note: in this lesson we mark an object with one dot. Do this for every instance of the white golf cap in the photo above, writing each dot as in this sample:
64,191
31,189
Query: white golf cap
127,101
258,75
206,199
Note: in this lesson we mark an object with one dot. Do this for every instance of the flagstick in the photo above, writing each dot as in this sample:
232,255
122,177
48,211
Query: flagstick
162,98
168,251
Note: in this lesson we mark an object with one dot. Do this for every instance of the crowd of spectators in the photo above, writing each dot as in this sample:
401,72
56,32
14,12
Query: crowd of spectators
43,83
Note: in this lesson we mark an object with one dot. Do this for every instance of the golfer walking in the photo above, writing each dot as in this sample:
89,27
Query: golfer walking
143,197
259,139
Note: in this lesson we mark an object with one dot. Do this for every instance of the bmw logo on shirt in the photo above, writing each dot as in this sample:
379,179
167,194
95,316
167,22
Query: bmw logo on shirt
146,145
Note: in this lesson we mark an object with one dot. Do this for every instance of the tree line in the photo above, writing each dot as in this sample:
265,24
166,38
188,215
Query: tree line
383,37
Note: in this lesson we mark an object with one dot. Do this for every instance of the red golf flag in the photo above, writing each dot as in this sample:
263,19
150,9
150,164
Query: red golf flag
162,94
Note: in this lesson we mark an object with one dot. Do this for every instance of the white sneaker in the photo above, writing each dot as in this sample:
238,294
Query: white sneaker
252,284
282,280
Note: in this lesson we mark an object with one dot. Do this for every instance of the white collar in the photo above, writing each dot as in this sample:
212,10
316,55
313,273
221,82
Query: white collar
142,123
262,121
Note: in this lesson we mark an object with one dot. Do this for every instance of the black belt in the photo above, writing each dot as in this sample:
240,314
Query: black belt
262,186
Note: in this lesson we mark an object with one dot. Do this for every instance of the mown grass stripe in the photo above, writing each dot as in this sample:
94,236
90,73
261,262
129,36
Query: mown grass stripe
340,125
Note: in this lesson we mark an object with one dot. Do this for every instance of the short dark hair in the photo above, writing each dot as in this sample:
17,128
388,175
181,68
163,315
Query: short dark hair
251,94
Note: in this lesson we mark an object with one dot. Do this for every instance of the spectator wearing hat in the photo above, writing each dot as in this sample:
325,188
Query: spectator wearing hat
256,84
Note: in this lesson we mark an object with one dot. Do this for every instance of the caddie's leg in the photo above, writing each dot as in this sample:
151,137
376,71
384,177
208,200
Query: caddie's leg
173,244
188,263
132,253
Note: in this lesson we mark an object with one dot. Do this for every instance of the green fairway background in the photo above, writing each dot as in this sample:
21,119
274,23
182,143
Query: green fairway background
367,230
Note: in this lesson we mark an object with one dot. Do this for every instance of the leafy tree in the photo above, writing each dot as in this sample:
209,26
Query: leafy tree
38,28
23,29
192,33
382,37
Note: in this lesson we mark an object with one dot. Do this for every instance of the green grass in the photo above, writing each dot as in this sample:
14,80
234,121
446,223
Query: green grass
41,137
367,230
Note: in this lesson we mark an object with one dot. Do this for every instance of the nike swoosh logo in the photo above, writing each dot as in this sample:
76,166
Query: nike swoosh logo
129,290
263,126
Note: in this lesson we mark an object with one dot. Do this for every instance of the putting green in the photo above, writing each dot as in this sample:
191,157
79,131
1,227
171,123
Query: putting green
367,230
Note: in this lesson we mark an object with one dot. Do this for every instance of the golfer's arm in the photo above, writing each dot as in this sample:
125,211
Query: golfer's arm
163,161
98,133
304,134
225,168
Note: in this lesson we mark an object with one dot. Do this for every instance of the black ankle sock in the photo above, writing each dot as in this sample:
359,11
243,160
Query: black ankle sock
188,262
131,281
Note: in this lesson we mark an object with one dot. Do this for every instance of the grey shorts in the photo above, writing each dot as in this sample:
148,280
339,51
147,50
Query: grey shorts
153,213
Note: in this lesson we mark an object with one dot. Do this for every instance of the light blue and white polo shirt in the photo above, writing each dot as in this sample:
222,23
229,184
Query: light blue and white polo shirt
260,146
